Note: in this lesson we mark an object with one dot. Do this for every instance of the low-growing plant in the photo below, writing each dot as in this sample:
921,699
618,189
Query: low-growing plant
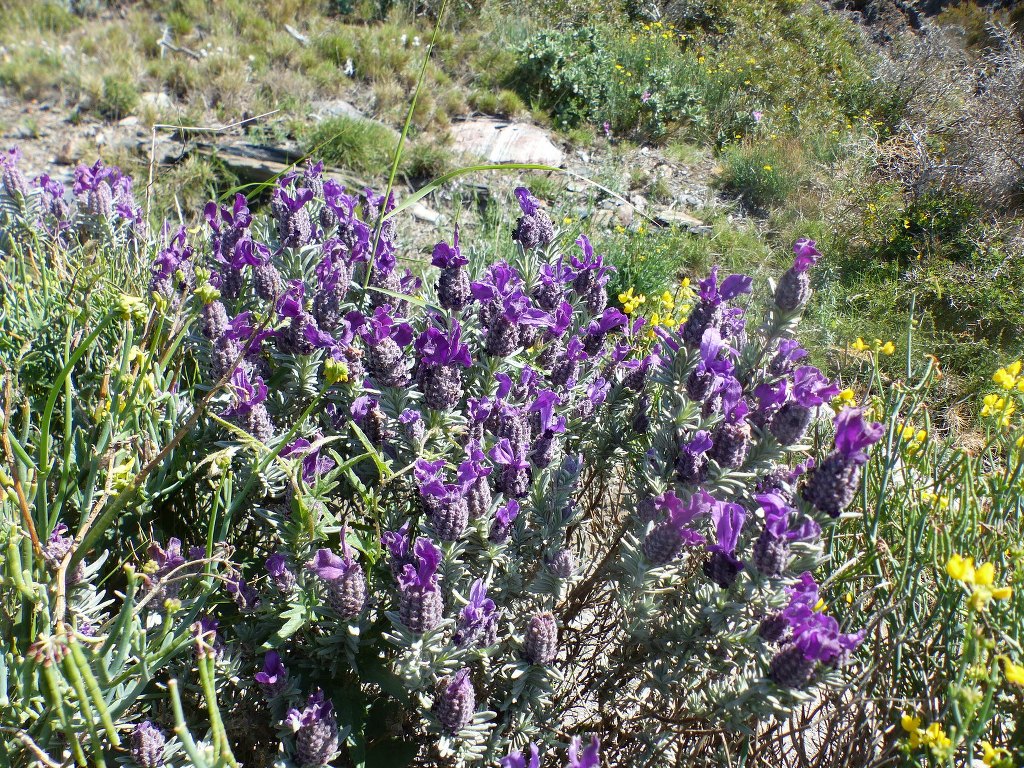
354,143
422,520
761,175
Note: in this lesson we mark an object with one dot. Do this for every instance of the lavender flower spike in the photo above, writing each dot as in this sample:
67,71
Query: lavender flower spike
420,602
147,747
453,291
441,354
346,582
516,759
832,485
316,731
273,678
478,621
794,288
591,757
534,227
456,702
724,567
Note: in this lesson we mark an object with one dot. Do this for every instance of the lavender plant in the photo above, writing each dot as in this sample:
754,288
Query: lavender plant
460,517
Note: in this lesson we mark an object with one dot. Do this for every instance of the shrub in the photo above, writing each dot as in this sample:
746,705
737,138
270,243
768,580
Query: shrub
761,175
479,505
634,81
119,98
361,145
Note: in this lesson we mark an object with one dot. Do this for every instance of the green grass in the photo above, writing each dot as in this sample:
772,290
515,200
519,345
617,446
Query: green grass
360,145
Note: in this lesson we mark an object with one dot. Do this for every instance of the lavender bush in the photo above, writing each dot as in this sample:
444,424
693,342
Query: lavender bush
455,516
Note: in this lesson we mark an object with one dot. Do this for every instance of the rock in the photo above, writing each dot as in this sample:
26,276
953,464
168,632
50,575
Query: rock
688,200
422,213
499,141
322,110
670,218
156,100
602,218
624,215
69,153
129,122
639,202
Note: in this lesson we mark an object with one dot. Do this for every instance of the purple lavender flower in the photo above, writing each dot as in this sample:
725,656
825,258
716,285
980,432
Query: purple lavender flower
385,337
590,277
691,465
368,415
534,227
147,745
399,546
345,580
445,503
294,225
599,328
810,389
273,678
244,594
714,365
794,288
316,731
731,439
832,485
666,539
13,180
516,759
788,354
709,312
771,550
504,516
514,477
280,574
453,291
247,405
420,602
415,430
540,643
562,564
566,368
549,292
591,757
723,567
440,354
313,463
473,474
456,702
478,621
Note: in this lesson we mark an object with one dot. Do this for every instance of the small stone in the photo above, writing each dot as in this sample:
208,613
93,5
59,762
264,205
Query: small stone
321,110
156,100
128,122
602,218
670,218
422,213
69,153
624,215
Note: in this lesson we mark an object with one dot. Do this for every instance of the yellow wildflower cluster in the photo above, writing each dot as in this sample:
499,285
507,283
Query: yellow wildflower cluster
936,499
845,399
996,757
981,580
932,738
631,302
879,346
999,408
913,439
1010,376
1014,673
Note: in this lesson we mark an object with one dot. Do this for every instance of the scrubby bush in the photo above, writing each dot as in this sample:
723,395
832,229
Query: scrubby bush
405,518
354,143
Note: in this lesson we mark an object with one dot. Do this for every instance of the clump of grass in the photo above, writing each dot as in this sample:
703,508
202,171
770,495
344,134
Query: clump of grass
426,160
503,103
363,146
119,98
761,175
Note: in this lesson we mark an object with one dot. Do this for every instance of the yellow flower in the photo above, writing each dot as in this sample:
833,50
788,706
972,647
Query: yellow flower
859,345
1009,377
767,168
888,348
1014,673
845,398
910,723
961,569
993,755
667,301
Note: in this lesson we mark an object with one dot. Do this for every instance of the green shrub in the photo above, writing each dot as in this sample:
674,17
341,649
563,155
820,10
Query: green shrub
426,160
761,175
118,99
363,146
504,103
633,80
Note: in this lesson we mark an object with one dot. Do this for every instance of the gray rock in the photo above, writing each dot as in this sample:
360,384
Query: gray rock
157,100
322,110
670,218
422,213
499,141
624,215
602,218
